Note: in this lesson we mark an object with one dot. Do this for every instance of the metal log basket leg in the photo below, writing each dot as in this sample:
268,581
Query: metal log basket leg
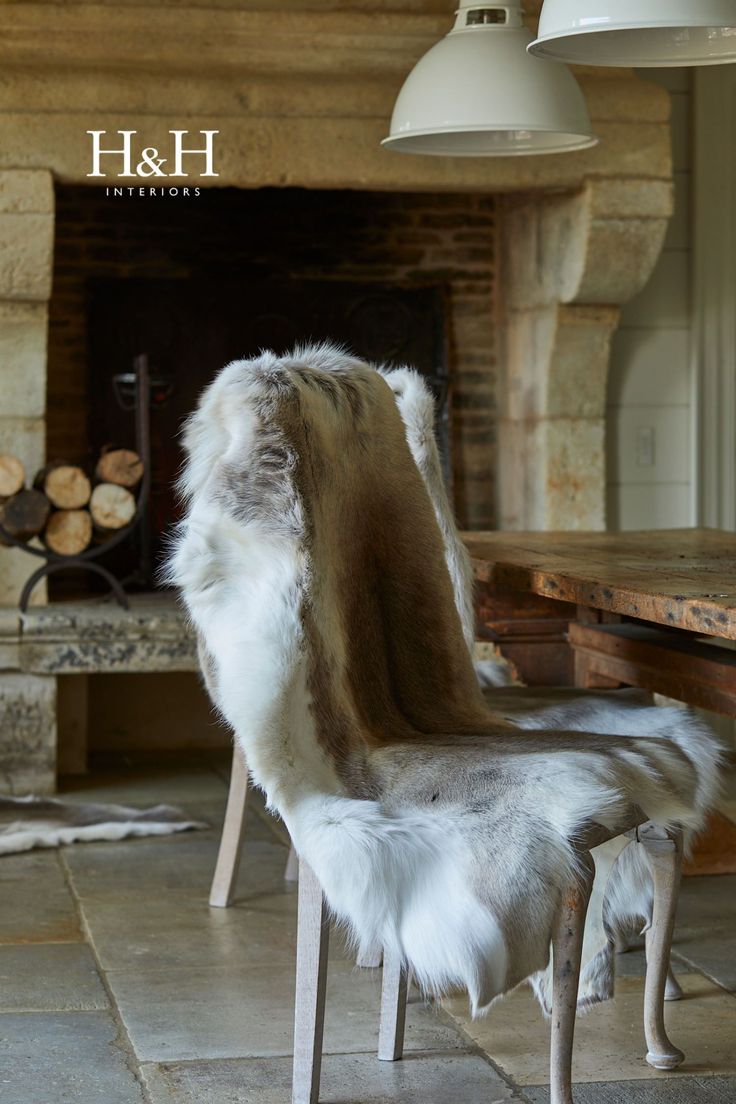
85,561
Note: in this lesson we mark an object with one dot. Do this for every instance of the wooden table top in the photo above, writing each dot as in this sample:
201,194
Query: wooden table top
683,578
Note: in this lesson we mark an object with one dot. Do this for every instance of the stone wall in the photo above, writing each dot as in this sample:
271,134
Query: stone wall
400,239
26,245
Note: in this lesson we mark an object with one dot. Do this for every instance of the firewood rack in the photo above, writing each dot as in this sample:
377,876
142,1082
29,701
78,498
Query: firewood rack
87,560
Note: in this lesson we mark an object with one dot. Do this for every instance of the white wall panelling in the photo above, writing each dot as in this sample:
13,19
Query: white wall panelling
714,345
650,383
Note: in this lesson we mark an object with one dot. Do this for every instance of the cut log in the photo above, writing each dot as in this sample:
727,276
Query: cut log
25,514
111,507
120,466
68,532
65,485
12,475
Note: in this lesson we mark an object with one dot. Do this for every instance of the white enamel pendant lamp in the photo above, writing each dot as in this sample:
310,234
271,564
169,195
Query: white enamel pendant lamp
640,33
479,93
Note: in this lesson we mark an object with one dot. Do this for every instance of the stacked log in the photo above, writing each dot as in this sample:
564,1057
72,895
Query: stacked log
25,515
62,508
120,466
112,507
65,486
68,532
12,476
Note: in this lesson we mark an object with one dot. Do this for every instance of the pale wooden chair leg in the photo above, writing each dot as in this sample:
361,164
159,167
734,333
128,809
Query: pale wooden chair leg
291,873
566,949
313,930
664,852
231,842
394,992
672,989
370,957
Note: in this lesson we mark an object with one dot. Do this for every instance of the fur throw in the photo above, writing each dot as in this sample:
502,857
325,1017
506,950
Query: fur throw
321,567
28,822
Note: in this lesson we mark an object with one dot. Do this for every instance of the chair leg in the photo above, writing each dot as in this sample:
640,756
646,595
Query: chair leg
231,842
664,852
672,990
567,948
394,992
291,873
370,957
313,930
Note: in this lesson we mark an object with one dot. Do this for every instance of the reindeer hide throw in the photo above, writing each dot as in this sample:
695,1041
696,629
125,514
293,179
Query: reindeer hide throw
321,567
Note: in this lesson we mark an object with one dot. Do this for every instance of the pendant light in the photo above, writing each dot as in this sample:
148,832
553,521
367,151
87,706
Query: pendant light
637,32
478,93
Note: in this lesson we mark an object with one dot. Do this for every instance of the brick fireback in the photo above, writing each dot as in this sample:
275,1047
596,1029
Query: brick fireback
407,240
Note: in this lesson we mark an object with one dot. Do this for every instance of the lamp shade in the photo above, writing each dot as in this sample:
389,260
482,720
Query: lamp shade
637,32
478,93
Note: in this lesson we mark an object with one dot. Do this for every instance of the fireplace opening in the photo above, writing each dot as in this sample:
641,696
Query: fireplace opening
398,278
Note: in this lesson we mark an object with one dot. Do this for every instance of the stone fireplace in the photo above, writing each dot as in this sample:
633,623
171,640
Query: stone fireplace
401,277
534,255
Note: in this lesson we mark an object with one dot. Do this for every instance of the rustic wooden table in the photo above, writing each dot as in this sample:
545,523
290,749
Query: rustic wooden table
647,609
653,609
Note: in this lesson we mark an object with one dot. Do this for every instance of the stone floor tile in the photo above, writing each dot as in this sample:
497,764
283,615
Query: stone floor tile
346,1079
633,964
232,1012
37,906
49,977
609,1040
177,930
681,1090
706,927
156,865
144,780
64,1058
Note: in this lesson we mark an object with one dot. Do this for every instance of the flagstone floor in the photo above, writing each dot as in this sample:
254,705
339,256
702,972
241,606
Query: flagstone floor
119,985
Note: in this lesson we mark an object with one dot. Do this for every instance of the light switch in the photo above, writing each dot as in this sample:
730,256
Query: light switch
645,447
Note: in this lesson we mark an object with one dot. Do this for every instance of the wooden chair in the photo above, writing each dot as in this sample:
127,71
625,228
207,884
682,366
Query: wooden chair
233,835
231,846
664,852
663,847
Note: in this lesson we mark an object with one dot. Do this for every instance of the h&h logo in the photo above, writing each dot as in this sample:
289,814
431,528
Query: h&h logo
151,163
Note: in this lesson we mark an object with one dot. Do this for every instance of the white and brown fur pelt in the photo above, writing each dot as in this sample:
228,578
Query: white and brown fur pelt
331,598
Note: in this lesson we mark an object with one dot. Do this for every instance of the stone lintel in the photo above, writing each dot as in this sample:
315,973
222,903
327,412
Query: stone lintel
323,152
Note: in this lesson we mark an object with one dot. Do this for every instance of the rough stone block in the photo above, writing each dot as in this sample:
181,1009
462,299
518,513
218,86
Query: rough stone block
15,567
575,466
26,439
553,476
632,198
621,256
26,255
26,190
23,333
27,733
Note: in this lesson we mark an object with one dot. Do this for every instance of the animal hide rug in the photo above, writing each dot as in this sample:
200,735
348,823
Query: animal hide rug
321,567
28,822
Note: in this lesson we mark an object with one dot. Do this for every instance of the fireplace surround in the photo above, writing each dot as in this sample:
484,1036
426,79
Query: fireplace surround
300,96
